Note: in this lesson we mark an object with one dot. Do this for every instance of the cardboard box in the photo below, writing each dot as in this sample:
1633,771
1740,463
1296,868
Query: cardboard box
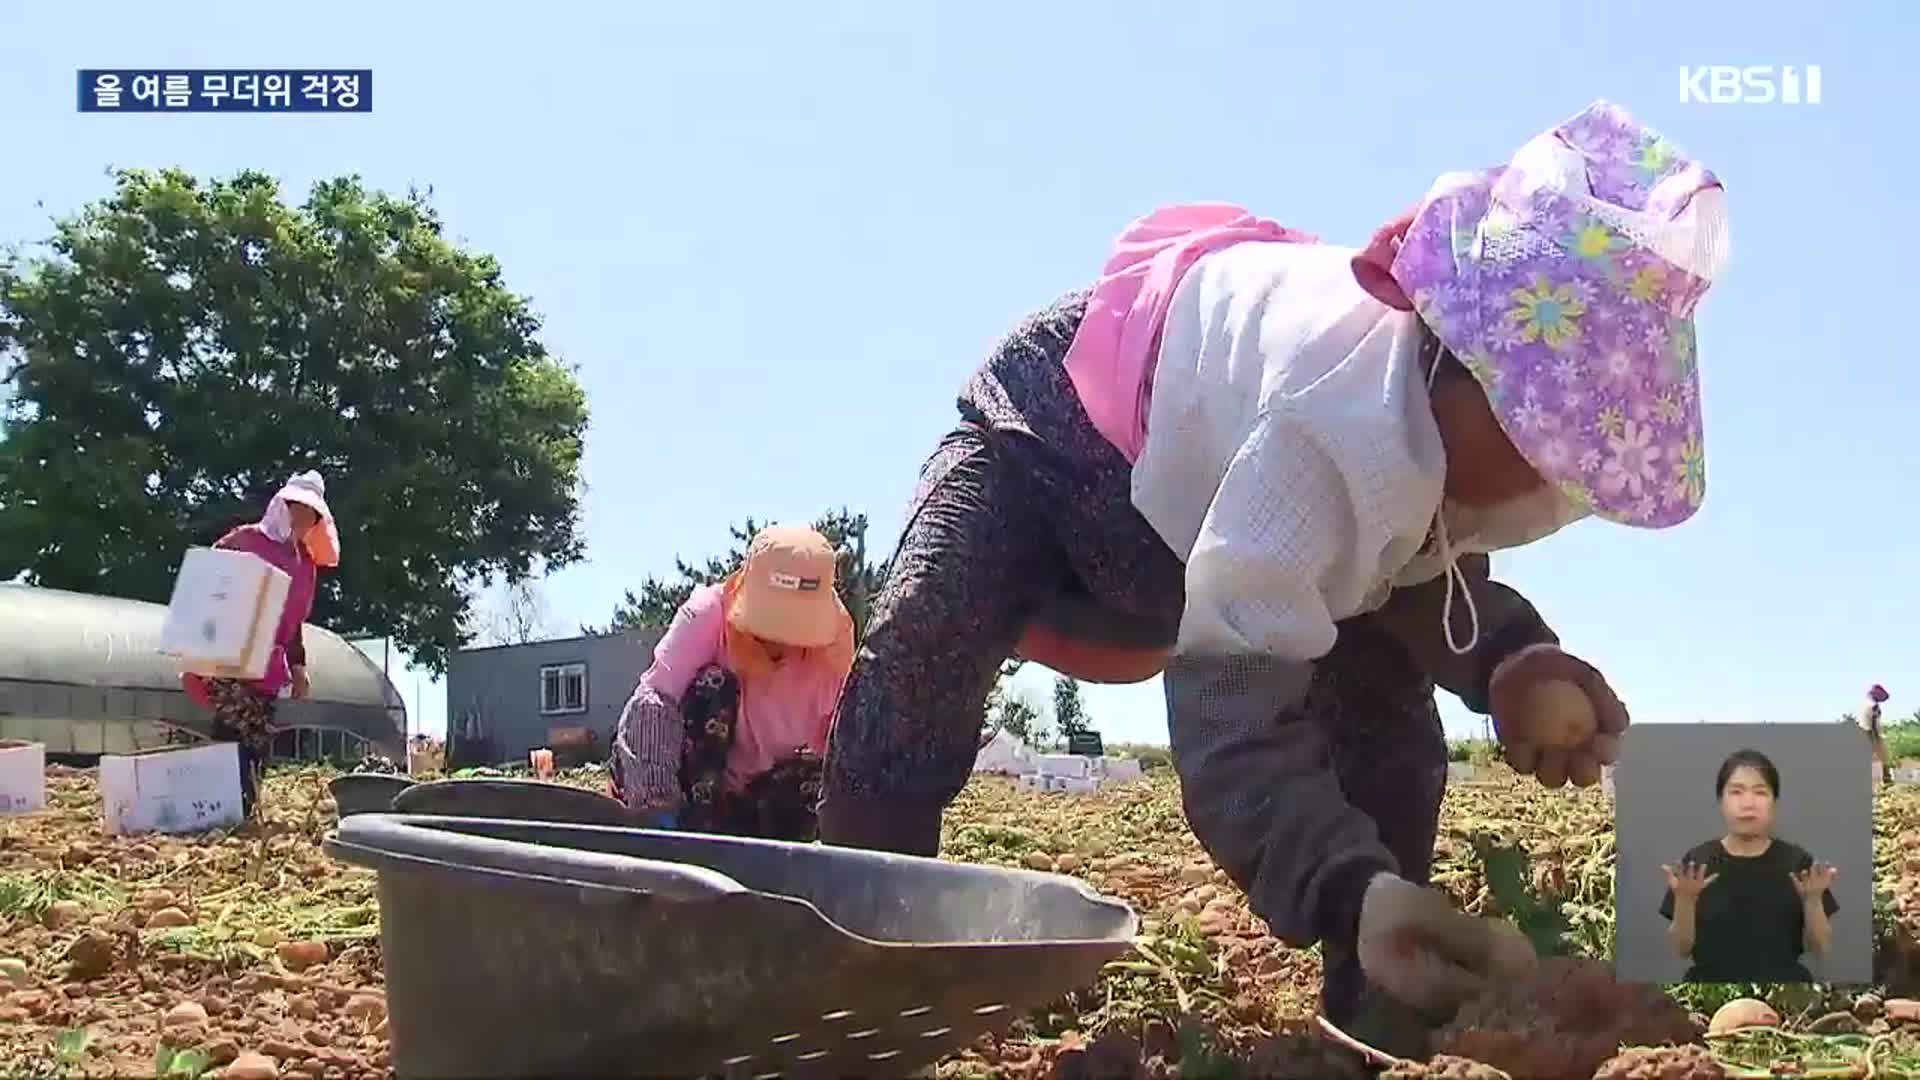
23,776
225,609
173,790
426,759
572,735
573,746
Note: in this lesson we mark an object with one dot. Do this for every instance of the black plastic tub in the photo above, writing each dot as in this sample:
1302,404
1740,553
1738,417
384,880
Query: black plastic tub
366,793
521,800
523,949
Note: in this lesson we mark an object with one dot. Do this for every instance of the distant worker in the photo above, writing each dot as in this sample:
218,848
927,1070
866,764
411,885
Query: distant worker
726,730
1870,720
297,535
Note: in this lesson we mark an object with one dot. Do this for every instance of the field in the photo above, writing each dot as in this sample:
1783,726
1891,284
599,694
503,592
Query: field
255,955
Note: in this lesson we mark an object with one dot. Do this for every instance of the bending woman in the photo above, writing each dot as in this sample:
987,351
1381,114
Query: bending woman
1746,906
1274,467
726,729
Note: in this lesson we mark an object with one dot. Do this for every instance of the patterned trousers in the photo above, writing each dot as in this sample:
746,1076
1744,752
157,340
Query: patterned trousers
244,716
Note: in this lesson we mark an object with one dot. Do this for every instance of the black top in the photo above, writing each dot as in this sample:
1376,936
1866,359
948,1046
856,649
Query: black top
1747,926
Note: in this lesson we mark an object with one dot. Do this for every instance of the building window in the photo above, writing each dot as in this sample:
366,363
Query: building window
563,689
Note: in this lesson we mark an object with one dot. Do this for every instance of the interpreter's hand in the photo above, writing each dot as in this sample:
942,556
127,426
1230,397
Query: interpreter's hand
301,684
1813,882
1418,949
1510,695
1688,880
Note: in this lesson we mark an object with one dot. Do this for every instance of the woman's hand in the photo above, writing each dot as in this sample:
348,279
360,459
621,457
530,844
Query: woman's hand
1424,953
301,684
1688,880
1813,882
1511,694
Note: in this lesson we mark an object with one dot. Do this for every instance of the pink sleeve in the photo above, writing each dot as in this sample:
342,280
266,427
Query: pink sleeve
250,539
829,705
691,643
818,744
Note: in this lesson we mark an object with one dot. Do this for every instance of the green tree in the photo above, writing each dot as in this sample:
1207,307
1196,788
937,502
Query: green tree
177,349
1021,718
1069,712
1012,711
856,579
516,616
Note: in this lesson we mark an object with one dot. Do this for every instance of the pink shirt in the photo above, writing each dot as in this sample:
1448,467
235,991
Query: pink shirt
289,645
779,713
1110,362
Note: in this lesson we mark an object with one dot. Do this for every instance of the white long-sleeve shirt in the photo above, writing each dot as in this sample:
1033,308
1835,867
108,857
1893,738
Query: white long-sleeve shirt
1292,460
1291,457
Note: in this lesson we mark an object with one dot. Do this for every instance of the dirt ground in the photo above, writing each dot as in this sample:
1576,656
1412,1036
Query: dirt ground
251,954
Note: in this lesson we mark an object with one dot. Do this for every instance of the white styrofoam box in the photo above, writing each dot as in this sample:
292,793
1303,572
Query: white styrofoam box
1077,785
172,791
225,608
1004,754
1120,770
1907,774
1462,770
1033,782
1606,779
23,776
1063,765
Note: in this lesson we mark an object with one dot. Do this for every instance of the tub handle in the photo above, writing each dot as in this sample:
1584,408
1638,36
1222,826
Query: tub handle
380,841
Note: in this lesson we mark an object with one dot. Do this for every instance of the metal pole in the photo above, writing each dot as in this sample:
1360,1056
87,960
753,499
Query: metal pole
386,670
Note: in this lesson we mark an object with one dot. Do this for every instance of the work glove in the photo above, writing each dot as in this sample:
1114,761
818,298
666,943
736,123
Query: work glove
1419,950
1510,691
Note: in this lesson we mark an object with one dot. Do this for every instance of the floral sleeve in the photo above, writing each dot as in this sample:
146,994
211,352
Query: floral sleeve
646,751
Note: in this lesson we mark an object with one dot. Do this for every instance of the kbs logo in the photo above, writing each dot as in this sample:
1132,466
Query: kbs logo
1765,84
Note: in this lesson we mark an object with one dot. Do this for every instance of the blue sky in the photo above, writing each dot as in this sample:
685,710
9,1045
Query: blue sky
775,238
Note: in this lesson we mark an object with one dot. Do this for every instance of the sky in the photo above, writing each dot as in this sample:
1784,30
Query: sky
775,238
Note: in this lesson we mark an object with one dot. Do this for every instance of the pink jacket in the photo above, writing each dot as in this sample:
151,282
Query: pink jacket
1112,357
779,713
290,647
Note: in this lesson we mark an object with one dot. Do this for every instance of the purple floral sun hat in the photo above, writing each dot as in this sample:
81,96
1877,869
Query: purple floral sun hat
1566,282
